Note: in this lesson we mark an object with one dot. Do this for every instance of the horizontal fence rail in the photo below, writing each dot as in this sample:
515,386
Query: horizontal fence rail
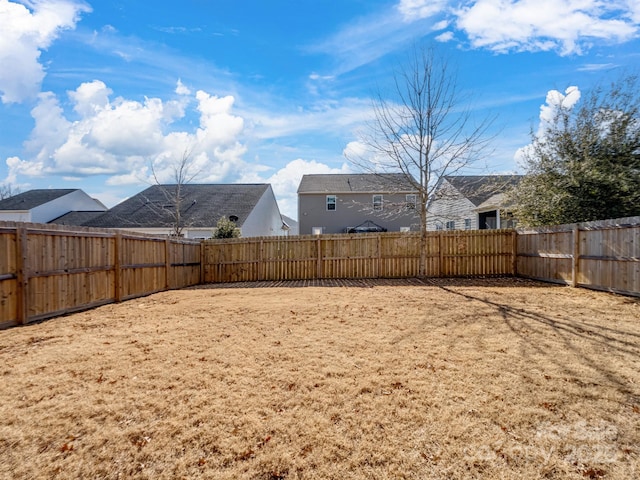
602,255
375,255
50,270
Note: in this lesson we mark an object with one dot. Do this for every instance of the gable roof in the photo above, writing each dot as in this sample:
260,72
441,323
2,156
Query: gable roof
355,183
34,198
202,205
479,188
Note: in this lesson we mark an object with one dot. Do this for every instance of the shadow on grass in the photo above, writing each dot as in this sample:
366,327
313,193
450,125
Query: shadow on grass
599,340
534,328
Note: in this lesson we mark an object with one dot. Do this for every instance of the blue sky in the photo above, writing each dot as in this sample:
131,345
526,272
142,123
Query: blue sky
99,95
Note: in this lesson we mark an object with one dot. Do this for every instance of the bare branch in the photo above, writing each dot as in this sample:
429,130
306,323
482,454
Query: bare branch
422,128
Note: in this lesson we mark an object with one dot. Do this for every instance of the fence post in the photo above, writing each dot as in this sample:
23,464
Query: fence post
319,266
262,267
22,274
575,257
202,260
514,255
167,263
117,284
440,254
379,264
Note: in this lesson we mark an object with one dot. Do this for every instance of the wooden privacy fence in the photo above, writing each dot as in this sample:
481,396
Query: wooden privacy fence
52,270
385,255
602,255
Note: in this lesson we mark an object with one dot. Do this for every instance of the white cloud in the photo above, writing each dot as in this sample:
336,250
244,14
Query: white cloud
565,26
417,9
324,116
122,138
371,37
23,35
90,97
554,102
285,181
596,67
314,76
181,89
441,25
445,37
364,157
568,26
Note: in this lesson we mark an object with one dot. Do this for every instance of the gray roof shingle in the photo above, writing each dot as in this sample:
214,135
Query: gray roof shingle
34,198
479,188
202,205
355,183
76,218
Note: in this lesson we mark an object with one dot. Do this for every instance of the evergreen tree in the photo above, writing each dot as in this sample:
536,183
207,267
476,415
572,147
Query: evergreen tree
584,164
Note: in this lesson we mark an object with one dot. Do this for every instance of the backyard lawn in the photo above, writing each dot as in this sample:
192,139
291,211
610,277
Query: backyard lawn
442,379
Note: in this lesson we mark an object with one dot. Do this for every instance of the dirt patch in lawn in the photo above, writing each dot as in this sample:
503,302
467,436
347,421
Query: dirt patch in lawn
396,379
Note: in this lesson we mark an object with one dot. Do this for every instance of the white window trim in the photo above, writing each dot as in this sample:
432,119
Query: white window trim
373,202
411,200
334,203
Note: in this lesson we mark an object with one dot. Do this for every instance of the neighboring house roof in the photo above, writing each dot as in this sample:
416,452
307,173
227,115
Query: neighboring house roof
355,183
294,226
202,205
34,198
76,218
289,221
480,188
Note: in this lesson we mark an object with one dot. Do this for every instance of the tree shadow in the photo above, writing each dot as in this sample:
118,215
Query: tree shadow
534,328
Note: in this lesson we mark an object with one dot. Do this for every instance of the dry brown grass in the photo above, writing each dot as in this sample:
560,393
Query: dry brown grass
458,379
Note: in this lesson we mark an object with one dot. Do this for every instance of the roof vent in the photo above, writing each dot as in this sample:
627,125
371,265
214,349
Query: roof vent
233,218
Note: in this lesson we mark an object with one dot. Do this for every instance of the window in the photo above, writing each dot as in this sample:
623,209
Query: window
411,201
438,226
451,225
331,202
467,224
377,202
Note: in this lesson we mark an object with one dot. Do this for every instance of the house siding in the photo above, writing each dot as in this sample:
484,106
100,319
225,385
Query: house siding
352,209
265,218
16,216
191,233
451,206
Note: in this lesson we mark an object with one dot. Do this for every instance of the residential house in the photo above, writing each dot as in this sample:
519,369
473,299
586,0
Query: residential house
338,203
292,224
196,210
44,205
471,202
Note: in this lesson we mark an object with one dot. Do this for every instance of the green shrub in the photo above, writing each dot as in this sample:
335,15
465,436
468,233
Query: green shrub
226,228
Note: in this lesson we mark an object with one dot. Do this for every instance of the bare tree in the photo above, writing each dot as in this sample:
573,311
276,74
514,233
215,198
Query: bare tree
7,190
183,172
423,129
